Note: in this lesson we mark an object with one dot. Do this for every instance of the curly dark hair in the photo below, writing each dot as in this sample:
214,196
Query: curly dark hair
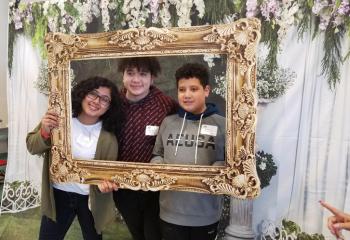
113,118
150,64
190,70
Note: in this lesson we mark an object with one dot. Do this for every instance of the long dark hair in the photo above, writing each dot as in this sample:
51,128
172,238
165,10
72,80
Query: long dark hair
113,118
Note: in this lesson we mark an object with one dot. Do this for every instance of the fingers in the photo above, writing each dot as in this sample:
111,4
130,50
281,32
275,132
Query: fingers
338,222
341,226
331,222
49,121
340,215
107,186
332,209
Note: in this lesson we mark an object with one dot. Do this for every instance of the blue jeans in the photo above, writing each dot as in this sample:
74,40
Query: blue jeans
69,205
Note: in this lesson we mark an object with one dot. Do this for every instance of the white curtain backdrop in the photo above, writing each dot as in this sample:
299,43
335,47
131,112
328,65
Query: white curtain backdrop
26,106
307,132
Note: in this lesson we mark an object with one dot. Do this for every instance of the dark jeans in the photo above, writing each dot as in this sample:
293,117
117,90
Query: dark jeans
177,232
140,211
69,205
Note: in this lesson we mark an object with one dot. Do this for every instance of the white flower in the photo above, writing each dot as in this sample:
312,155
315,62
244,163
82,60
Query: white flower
46,6
262,166
220,88
209,58
200,6
164,14
105,14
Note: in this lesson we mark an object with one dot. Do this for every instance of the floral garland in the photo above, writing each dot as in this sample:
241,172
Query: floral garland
330,17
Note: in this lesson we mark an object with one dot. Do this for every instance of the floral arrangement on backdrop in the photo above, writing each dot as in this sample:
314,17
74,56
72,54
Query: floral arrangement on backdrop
272,85
328,17
265,167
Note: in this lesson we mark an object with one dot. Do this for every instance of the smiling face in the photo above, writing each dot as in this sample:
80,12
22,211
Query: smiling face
94,105
191,95
137,83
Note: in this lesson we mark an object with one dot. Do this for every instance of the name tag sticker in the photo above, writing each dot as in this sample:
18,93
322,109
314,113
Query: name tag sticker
210,130
151,130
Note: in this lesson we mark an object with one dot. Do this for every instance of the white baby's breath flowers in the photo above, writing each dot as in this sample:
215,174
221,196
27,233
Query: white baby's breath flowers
262,165
105,14
220,88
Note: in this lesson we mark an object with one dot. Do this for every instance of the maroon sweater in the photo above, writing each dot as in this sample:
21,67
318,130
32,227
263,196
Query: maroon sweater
134,145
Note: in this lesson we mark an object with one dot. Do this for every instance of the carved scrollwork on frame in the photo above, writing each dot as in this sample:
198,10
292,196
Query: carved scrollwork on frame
239,40
244,111
61,47
237,182
63,170
56,103
144,180
142,38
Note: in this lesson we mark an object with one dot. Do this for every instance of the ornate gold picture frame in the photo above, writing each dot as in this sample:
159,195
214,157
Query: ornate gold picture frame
238,41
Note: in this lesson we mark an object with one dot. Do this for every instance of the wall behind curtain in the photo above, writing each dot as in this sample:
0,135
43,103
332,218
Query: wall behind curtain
3,62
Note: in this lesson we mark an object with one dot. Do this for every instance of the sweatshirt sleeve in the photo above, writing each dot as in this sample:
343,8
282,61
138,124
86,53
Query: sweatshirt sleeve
35,143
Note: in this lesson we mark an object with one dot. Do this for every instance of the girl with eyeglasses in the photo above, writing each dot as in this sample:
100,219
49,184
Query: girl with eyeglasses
97,118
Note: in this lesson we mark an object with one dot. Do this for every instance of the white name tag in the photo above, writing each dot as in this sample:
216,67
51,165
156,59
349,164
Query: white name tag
210,130
151,130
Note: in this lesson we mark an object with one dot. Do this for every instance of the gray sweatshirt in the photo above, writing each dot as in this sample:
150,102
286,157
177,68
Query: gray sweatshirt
201,142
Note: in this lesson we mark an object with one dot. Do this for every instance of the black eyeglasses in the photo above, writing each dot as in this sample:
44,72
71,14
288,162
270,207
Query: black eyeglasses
104,100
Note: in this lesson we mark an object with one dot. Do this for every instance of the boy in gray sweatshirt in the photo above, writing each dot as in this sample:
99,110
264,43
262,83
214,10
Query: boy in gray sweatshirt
195,136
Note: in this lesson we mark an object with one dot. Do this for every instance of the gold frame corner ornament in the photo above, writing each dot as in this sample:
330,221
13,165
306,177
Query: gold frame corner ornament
238,41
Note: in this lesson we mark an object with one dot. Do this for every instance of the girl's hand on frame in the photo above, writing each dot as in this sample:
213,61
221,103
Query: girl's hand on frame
48,122
107,186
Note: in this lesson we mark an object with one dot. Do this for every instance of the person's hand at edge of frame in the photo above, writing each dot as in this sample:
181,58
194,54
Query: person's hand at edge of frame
49,121
339,221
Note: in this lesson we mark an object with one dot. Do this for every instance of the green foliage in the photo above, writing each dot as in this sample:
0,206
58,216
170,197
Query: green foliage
215,10
40,32
266,167
117,16
269,36
11,41
291,227
305,20
70,9
332,56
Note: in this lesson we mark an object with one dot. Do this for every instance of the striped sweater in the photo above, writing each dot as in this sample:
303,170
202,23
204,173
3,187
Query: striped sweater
134,144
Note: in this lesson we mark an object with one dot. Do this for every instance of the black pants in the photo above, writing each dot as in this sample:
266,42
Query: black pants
177,232
69,205
140,211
